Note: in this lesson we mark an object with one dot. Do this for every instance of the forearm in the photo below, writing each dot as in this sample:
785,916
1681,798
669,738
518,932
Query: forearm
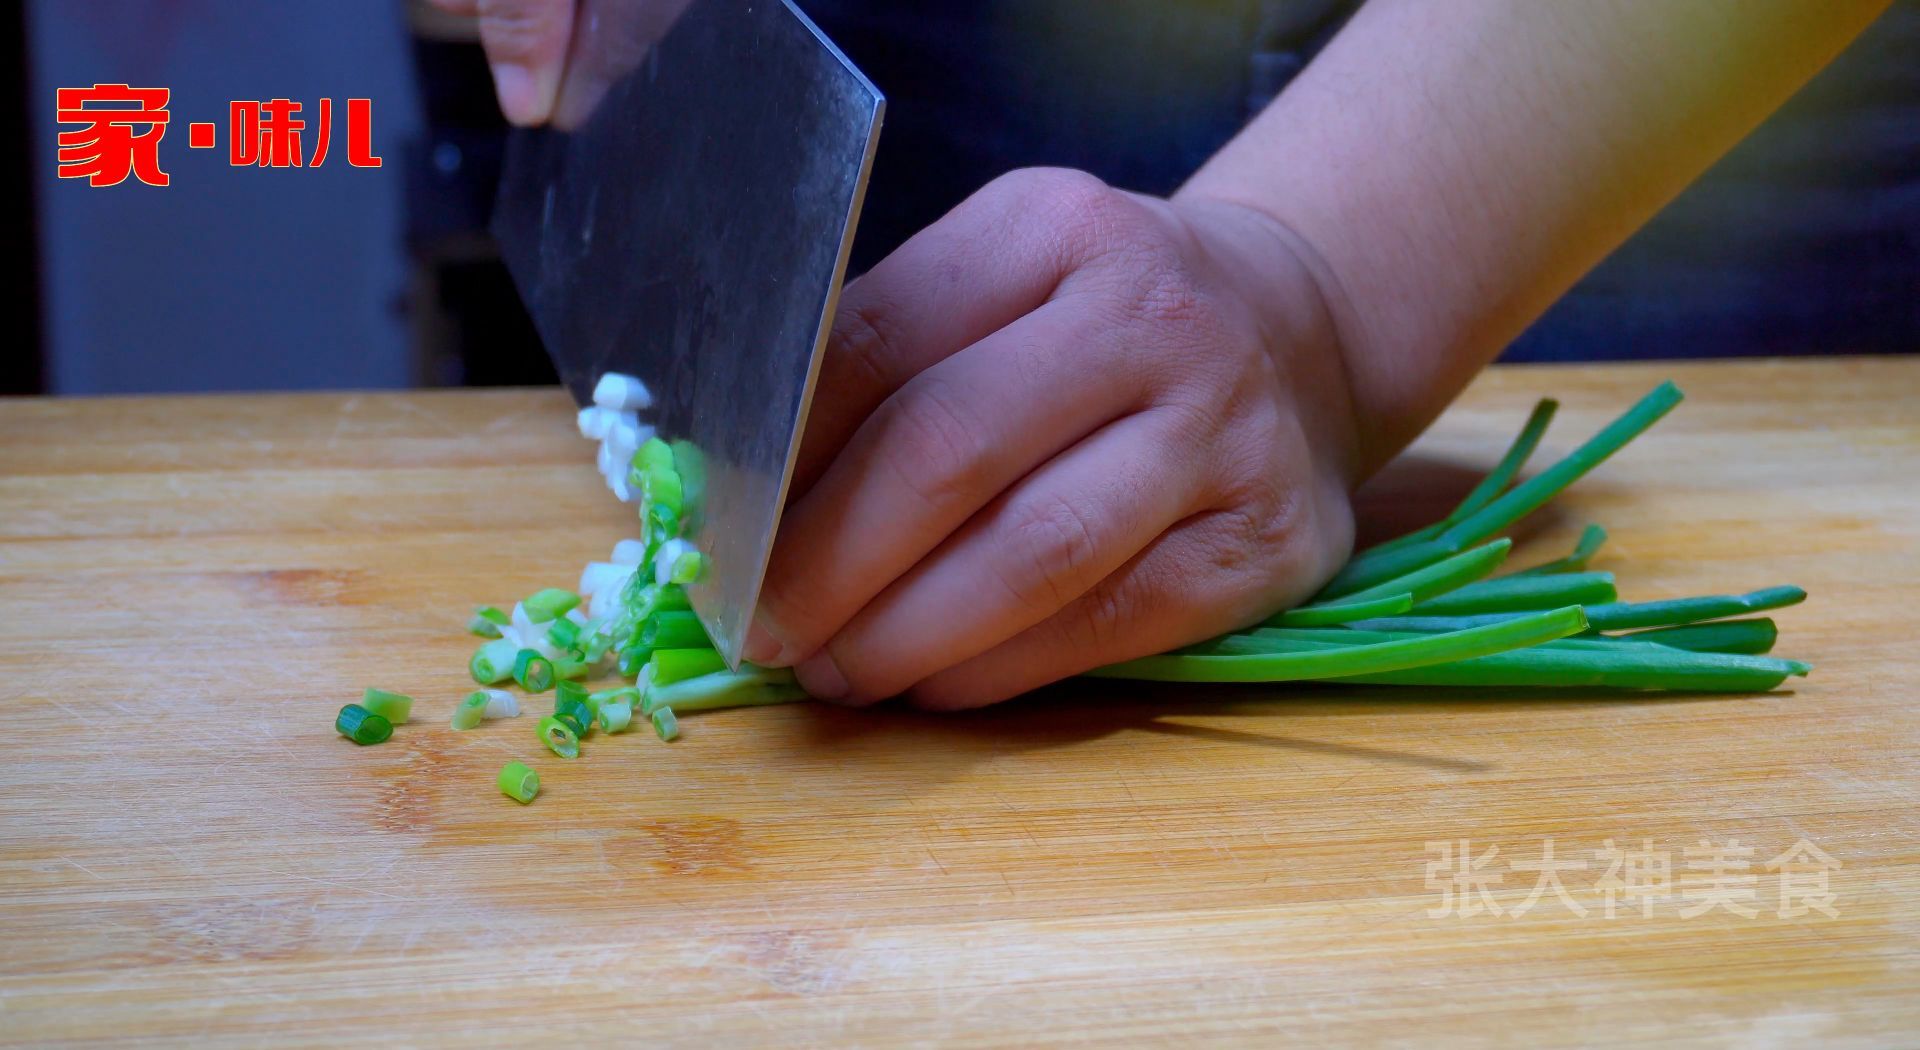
1453,167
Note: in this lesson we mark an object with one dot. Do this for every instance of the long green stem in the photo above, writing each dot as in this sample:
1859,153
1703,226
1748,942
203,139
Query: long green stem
1352,660
1592,538
1617,616
1731,636
1566,663
1522,594
1490,486
1447,574
1342,612
747,688
1368,570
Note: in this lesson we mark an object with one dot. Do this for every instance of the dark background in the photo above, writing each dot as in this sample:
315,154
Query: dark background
1805,240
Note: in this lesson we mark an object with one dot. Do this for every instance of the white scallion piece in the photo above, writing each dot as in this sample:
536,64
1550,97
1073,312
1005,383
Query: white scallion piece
621,487
608,602
622,393
577,615
500,704
628,552
626,431
601,575
596,421
669,553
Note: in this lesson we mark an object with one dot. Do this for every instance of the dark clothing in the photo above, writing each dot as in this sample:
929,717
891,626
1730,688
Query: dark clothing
1805,239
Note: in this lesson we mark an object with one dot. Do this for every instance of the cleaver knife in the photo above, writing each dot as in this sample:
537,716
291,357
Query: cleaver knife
686,219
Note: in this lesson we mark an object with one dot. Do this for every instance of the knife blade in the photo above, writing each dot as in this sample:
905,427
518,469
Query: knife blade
691,226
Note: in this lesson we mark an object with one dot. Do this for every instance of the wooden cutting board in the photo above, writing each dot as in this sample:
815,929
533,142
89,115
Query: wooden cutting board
190,587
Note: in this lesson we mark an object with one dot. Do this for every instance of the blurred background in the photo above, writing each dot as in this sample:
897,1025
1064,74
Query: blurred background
1805,240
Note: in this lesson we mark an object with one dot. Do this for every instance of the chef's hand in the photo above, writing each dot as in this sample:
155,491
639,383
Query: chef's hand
1063,426
553,59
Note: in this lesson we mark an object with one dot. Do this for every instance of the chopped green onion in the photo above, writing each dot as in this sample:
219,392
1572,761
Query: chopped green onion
634,659
749,687
533,671
676,629
664,723
664,521
673,665
483,627
471,711
565,690
575,714
362,726
394,707
559,737
492,615
1353,660
1522,593
563,633
550,604
654,454
687,568
566,667
518,783
1592,538
626,693
501,704
493,662
615,715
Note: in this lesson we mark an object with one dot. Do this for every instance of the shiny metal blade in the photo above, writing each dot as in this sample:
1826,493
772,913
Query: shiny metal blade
690,225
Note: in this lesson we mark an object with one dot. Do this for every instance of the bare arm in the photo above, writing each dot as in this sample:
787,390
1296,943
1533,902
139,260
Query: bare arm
1453,166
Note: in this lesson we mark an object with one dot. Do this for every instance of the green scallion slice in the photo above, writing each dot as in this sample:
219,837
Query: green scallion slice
493,662
518,783
559,737
394,707
362,726
575,714
563,633
615,715
665,723
471,711
533,671
550,604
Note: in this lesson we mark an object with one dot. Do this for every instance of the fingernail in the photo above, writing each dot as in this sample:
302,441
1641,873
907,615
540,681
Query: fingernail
819,676
761,648
515,87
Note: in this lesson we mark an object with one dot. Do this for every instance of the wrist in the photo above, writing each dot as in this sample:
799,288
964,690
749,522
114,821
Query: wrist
1305,317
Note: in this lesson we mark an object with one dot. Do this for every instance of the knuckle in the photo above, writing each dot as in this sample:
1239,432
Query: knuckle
1103,618
521,29
865,343
1087,215
1049,547
932,444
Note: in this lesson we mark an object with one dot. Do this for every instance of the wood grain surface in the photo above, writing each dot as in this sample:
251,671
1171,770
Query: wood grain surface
189,589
